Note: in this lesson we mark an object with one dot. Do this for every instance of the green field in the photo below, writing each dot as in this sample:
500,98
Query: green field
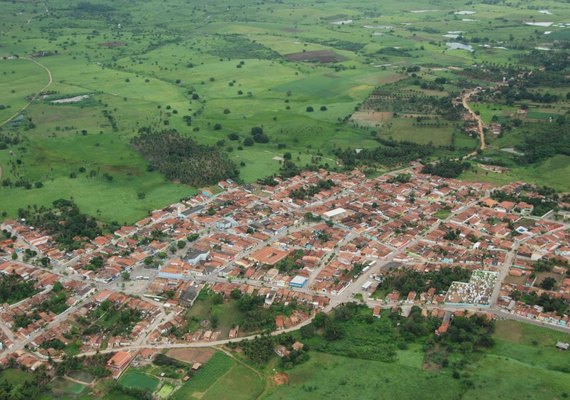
228,67
136,379
220,376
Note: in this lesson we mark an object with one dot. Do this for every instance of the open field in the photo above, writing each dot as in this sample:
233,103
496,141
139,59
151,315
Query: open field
191,355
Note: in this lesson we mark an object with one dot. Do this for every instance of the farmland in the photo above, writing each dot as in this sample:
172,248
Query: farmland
208,70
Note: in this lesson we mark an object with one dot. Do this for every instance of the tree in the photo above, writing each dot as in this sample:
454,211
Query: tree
248,142
333,331
310,109
320,320
548,283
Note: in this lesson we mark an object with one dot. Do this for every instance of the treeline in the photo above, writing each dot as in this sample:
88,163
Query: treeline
446,168
391,153
63,221
182,159
413,281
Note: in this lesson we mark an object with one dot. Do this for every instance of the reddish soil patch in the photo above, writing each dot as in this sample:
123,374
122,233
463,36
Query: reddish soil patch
280,378
191,355
322,56
112,44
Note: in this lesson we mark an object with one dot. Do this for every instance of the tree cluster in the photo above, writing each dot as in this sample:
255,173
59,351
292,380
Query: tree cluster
182,159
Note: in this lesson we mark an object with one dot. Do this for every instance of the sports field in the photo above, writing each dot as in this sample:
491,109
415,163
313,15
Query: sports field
136,379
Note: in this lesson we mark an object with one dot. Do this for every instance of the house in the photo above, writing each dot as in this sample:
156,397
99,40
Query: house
376,312
188,296
496,129
562,345
119,362
194,257
298,346
298,282
282,351
269,255
226,223
525,208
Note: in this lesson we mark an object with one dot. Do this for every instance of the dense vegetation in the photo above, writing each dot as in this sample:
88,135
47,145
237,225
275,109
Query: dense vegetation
13,288
32,388
63,221
182,159
109,319
446,168
545,141
413,281
96,365
307,192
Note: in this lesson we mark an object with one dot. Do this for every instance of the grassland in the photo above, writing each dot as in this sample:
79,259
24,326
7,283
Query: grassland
156,63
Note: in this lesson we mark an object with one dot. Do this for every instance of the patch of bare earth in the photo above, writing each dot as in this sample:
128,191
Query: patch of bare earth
280,378
191,355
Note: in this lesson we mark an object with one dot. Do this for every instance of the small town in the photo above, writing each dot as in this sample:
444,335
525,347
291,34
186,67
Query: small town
306,245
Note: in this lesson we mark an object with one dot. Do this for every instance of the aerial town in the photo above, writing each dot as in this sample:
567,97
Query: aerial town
316,240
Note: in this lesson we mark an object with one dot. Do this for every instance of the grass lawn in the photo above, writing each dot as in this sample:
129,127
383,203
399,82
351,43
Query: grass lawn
165,391
136,379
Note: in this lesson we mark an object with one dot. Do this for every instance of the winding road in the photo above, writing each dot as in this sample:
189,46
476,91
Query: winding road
50,81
